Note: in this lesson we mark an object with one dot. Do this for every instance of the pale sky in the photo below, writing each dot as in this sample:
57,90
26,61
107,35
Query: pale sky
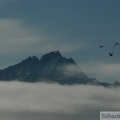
74,27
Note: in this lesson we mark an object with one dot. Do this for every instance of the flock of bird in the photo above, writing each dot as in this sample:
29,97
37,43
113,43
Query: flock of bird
110,53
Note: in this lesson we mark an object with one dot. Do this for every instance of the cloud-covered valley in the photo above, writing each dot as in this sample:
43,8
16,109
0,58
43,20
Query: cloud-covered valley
28,101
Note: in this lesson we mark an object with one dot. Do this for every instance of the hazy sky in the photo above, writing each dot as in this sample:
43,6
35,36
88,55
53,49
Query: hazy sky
74,27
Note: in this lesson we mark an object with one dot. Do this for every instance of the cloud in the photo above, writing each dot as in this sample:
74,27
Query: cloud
71,70
16,38
109,72
44,101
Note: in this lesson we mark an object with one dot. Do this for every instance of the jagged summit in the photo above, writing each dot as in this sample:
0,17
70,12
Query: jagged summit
30,59
51,55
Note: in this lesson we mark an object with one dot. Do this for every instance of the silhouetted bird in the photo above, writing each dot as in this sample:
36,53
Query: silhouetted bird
110,54
116,44
102,46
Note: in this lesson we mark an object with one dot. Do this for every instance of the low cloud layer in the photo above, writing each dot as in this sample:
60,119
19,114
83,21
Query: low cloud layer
44,101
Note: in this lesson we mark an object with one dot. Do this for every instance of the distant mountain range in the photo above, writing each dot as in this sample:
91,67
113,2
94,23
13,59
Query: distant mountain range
52,67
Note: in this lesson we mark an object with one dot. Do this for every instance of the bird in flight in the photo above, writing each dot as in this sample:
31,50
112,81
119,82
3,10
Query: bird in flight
102,46
110,54
116,44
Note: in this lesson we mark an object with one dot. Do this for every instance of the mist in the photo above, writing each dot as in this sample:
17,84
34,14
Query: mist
45,101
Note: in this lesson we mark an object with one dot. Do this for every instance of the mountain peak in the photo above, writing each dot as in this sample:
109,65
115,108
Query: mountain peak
53,54
47,57
116,83
30,60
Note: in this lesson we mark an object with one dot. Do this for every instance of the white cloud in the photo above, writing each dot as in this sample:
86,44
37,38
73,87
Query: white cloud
108,72
44,101
16,38
71,70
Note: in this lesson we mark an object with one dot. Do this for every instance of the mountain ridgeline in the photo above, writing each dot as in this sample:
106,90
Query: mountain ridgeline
52,67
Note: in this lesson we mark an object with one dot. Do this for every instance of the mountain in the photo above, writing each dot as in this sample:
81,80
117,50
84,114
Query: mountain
52,67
